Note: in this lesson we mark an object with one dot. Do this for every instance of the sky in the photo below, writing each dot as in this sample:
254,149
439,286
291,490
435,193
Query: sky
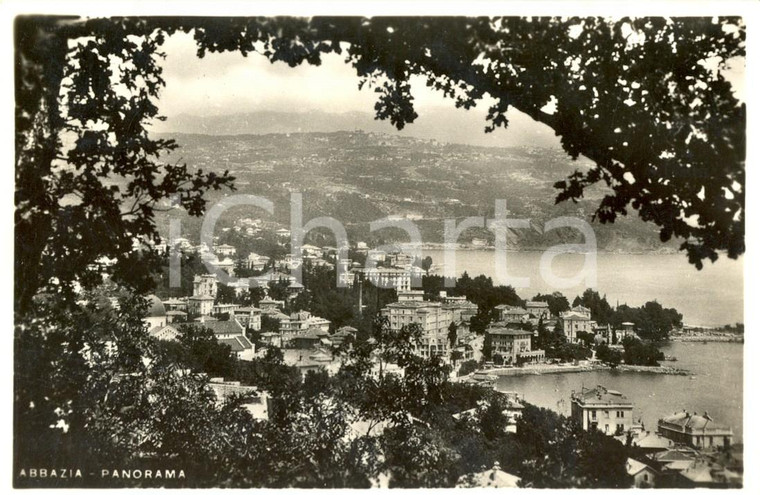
228,83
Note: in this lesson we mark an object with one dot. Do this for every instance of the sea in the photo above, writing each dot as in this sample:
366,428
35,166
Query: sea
716,386
713,296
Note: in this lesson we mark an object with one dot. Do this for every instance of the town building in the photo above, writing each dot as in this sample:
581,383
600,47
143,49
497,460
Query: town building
643,475
268,303
627,330
270,339
539,309
490,478
225,264
430,316
576,320
512,314
205,285
512,344
255,261
166,332
602,409
254,401
202,305
174,316
311,339
176,304
225,250
231,333
225,309
695,430
299,323
388,278
461,309
249,317
342,335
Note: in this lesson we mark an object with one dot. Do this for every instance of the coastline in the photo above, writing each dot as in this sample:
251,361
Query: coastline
440,246
738,339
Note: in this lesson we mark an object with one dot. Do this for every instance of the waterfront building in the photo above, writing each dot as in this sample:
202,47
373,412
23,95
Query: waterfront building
512,344
602,409
626,330
576,320
695,430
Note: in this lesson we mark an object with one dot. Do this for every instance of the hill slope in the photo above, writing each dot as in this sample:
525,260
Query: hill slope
357,177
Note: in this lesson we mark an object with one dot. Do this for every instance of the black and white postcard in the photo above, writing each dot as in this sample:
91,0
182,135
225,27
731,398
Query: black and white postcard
383,249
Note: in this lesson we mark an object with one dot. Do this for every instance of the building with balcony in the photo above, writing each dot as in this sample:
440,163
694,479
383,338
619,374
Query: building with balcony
695,430
430,316
602,409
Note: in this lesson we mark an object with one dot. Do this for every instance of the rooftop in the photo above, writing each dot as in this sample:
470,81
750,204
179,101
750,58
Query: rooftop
500,330
687,421
156,307
600,396
237,343
224,327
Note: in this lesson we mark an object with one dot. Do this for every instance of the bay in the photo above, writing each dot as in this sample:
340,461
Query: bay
716,386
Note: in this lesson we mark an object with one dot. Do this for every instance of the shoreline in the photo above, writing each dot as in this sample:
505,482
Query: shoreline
436,246
708,338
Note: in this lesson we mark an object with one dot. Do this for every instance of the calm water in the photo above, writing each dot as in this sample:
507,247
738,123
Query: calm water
716,388
710,297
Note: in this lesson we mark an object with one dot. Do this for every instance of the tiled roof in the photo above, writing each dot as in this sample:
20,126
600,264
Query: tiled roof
688,421
224,327
652,440
572,315
491,478
674,455
202,298
601,396
166,328
507,331
237,343
633,466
